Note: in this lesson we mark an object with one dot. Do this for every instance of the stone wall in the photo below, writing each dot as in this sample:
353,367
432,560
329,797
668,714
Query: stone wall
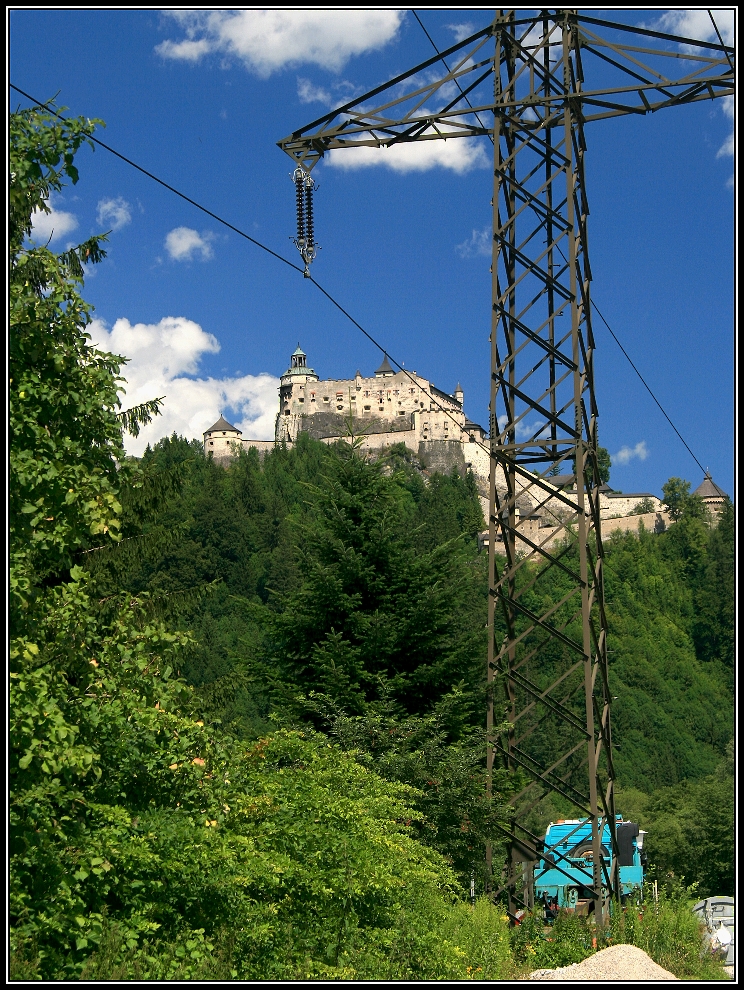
442,455
548,536
324,424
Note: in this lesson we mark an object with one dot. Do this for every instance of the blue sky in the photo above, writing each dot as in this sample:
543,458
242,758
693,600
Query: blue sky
209,320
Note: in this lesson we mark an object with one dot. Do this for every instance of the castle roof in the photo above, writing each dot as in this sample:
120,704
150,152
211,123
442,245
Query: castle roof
562,480
470,425
222,425
458,387
298,351
385,368
709,489
304,371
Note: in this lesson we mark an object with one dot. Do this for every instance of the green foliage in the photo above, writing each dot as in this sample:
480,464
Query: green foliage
680,502
645,505
690,829
144,843
713,628
568,941
670,933
603,463
666,930
673,716
247,704
65,435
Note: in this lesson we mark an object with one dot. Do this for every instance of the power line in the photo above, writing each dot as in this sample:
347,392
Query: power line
457,82
166,185
594,305
715,28
647,387
327,294
263,247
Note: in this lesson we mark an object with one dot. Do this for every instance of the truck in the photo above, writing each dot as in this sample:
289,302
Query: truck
563,873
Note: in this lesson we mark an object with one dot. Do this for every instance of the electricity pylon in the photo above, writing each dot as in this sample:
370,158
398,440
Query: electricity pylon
531,82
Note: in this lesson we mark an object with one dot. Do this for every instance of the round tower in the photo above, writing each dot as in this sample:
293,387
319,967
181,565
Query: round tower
292,395
219,439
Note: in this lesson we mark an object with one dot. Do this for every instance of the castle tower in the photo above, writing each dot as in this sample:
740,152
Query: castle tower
384,371
292,395
218,439
712,496
458,395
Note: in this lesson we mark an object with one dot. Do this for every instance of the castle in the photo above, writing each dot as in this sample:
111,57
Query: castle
383,409
392,407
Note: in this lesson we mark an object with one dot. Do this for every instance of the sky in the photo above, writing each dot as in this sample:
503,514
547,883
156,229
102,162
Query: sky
208,320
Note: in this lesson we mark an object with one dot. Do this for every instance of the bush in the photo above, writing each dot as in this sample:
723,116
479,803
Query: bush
670,933
569,941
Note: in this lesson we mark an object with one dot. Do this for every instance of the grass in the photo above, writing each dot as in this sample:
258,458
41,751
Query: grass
459,942
667,931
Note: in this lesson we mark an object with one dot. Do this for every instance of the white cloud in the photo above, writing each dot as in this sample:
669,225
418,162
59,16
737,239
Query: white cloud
627,454
268,40
478,243
535,37
727,148
183,242
458,154
461,31
697,25
309,93
525,430
114,213
161,356
52,225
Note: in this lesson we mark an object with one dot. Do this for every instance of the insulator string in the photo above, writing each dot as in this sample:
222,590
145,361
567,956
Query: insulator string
309,212
300,210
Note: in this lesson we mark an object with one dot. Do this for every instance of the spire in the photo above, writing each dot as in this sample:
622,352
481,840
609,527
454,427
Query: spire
222,426
385,369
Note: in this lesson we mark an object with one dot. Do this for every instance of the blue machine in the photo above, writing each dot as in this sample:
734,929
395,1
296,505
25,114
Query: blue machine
563,874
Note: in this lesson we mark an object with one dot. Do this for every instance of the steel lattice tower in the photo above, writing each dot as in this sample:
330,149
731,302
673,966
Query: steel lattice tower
547,648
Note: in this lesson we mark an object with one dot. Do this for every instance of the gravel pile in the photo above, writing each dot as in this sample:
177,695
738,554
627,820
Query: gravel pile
618,962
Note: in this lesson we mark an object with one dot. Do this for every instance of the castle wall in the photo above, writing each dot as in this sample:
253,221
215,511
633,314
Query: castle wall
324,424
548,536
378,405
442,455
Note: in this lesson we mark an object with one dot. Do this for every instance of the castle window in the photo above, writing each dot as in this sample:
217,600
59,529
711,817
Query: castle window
325,398
339,407
367,408
286,412
211,443
300,399
413,391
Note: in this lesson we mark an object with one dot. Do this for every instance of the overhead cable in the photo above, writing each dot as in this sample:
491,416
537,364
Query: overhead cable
327,294
594,304
263,247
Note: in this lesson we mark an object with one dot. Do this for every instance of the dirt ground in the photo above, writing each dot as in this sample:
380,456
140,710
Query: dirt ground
618,962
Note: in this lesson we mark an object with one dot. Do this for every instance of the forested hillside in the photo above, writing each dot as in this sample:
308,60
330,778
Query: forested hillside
352,598
247,701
